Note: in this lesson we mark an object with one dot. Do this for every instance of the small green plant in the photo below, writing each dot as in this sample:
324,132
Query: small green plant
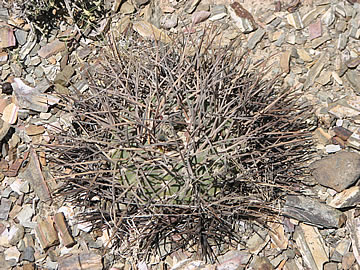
47,15
170,149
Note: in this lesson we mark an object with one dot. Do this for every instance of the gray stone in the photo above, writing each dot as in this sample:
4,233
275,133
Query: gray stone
280,40
341,26
338,171
5,207
21,36
38,72
191,6
315,70
342,42
4,13
6,192
353,77
255,38
317,42
217,12
28,254
329,17
28,47
312,211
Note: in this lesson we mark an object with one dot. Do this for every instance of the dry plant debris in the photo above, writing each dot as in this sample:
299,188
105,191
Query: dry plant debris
173,143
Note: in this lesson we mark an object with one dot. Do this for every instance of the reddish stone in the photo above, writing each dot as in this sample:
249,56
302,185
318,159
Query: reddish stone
7,37
315,30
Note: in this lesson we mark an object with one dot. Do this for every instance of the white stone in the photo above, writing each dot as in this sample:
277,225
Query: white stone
332,148
339,122
25,214
12,253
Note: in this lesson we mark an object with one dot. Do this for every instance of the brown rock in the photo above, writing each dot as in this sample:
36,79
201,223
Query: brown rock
34,174
243,18
62,228
46,234
52,48
348,260
337,171
85,261
32,130
261,263
285,61
330,266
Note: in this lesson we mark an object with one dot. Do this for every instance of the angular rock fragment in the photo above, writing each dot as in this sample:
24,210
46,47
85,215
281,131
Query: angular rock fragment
353,226
34,174
46,234
4,128
5,206
10,113
347,198
313,212
329,17
7,37
52,48
319,41
295,20
304,55
12,253
315,70
32,98
353,63
285,62
311,246
255,38
217,12
16,233
342,41
313,14
342,133
149,31
324,77
243,19
353,77
233,258
168,21
62,228
85,261
354,140
315,30
191,6
260,262
337,171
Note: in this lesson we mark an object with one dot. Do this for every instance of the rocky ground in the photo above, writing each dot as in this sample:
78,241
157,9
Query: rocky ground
313,44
